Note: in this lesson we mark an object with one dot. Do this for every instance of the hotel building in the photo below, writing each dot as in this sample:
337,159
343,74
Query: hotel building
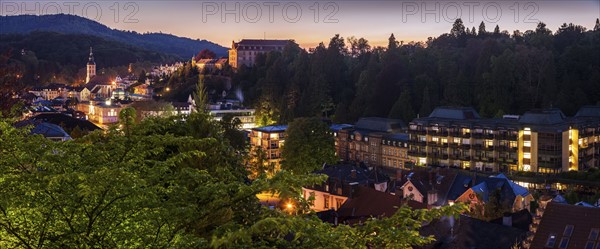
544,141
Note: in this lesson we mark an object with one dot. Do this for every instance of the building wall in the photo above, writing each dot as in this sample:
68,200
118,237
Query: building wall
270,143
409,190
323,200
394,156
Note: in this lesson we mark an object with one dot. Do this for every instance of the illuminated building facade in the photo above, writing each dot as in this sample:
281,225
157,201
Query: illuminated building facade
245,51
374,142
270,140
544,141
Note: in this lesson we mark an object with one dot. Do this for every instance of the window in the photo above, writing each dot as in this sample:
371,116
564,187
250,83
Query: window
568,230
339,202
564,242
593,238
551,240
326,201
594,234
589,245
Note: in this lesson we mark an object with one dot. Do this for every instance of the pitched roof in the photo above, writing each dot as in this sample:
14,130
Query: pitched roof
485,186
588,111
467,232
555,219
369,202
462,113
257,42
543,117
49,130
68,122
380,124
271,128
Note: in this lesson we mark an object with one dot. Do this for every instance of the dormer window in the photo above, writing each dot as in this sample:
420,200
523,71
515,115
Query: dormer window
551,241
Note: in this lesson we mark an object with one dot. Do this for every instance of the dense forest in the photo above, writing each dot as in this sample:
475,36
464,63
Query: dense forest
43,57
496,72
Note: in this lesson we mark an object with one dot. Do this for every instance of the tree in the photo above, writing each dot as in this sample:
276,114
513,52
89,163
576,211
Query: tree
392,43
497,30
458,28
403,109
482,31
597,26
308,145
205,54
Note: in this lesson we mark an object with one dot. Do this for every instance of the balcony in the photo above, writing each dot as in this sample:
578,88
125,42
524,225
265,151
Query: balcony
419,132
465,158
477,135
417,153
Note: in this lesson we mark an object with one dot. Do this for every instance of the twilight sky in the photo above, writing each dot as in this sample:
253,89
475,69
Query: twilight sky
311,22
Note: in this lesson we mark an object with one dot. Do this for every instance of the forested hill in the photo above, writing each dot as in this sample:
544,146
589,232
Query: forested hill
497,72
61,57
71,24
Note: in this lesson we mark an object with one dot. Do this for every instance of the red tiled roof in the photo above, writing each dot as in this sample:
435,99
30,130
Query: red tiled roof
555,219
370,203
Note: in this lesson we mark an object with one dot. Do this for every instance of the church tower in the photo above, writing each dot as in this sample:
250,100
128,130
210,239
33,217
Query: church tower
91,67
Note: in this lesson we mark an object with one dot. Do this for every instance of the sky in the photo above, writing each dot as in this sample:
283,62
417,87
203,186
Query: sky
312,22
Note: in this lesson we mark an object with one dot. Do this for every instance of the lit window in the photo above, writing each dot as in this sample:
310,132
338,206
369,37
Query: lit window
325,201
527,155
527,131
526,167
551,241
527,143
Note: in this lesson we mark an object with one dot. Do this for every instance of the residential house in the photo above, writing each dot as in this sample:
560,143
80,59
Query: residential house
429,187
341,184
477,190
565,226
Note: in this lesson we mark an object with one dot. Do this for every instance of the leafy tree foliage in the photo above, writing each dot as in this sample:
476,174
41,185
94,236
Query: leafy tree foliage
164,183
308,145
205,54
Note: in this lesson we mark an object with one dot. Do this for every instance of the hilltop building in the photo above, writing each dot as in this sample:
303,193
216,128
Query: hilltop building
245,51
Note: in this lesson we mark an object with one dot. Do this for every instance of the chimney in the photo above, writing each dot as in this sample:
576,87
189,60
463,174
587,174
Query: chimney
507,219
432,197
398,174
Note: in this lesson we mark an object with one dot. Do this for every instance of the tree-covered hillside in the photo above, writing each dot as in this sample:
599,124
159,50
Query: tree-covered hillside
71,24
496,72
60,57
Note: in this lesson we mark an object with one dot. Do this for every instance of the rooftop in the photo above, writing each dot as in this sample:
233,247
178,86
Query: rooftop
555,220
469,232
380,124
272,128
543,117
461,113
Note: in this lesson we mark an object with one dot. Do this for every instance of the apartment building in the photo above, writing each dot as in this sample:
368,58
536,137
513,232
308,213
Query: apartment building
544,141
269,139
374,142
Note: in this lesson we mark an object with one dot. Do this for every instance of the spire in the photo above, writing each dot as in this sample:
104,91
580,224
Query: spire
91,59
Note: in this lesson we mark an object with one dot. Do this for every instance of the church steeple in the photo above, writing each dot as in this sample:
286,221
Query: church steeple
91,59
91,67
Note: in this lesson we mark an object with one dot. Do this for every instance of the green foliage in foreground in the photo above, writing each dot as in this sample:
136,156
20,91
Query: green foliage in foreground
166,183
